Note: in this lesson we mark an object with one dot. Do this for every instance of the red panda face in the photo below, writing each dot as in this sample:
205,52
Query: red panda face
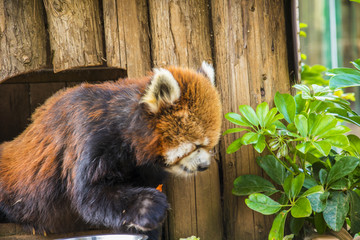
187,110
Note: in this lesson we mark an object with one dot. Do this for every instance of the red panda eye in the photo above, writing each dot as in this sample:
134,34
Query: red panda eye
212,152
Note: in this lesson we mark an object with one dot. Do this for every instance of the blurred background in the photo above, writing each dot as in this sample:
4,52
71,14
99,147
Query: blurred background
332,35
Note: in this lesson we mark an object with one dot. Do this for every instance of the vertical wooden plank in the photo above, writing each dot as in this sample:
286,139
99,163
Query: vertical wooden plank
39,92
251,65
75,33
22,37
127,36
14,110
181,36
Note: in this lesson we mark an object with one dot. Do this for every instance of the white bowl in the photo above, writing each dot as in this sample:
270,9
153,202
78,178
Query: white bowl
110,237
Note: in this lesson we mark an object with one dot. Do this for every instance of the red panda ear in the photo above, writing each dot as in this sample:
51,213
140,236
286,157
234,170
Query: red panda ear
163,90
208,71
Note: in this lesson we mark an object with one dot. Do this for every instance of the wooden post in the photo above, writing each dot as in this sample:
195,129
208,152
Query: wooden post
22,37
181,36
251,65
127,41
75,33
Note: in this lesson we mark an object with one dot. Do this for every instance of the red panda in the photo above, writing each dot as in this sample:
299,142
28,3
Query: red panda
95,153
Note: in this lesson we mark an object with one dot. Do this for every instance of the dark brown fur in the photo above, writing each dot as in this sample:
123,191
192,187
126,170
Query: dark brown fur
94,154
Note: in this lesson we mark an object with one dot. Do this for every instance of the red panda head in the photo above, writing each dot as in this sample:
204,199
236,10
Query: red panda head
187,110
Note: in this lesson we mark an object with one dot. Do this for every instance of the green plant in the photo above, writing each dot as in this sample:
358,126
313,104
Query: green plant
313,163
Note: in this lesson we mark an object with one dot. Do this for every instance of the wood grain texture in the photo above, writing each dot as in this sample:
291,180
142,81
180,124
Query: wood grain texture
75,33
127,36
14,110
39,92
22,37
180,32
181,36
251,65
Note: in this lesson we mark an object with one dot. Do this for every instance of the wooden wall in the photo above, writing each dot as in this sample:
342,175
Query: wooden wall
246,40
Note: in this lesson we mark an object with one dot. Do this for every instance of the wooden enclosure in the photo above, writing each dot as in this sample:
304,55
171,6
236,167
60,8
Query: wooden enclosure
249,42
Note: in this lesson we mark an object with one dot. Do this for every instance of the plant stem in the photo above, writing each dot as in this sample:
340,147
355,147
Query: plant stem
295,167
282,163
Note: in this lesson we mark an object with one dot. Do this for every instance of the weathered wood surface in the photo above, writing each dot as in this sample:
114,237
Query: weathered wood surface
75,33
249,51
251,65
127,36
181,36
180,32
22,37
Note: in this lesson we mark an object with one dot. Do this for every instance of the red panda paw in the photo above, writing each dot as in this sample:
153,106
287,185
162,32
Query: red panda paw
148,211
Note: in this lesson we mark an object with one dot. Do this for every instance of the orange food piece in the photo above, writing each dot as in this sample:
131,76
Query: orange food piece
159,188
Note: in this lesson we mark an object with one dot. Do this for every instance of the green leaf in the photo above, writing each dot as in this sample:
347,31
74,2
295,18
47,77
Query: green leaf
341,168
301,124
275,170
287,185
304,147
320,223
285,103
336,71
296,184
337,207
260,145
262,204
322,124
233,130
296,224
261,112
250,138
237,119
309,182
356,63
269,117
248,184
323,175
337,130
318,201
340,141
292,185
299,103
340,184
344,81
323,147
278,226
249,113
354,147
313,190
344,115
354,200
302,208
303,88
234,146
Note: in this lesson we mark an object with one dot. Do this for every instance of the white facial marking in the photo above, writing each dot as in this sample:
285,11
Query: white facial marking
173,154
190,164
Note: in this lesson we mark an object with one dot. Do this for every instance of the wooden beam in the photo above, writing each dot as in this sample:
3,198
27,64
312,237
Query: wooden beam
127,36
251,65
22,37
75,33
180,33
74,75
